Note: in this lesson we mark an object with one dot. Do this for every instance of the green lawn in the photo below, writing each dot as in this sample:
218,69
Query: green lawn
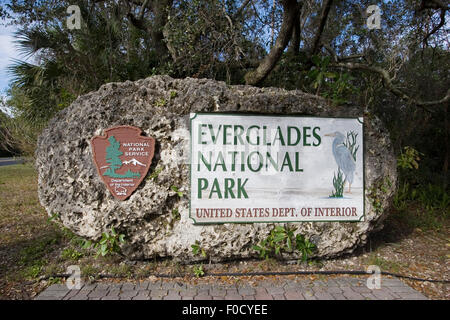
27,239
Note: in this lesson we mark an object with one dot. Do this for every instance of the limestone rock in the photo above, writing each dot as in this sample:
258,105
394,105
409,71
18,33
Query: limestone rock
70,186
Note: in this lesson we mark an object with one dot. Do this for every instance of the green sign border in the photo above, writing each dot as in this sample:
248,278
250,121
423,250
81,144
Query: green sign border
293,115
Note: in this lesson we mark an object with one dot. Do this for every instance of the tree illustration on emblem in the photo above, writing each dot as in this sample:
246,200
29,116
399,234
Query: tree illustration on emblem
113,158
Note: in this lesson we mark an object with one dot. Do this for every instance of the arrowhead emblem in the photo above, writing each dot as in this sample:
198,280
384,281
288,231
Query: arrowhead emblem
122,157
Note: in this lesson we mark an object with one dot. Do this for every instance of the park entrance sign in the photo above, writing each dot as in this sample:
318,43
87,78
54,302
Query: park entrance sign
228,165
269,168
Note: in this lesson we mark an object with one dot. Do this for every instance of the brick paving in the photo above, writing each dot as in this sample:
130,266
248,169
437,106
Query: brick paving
343,288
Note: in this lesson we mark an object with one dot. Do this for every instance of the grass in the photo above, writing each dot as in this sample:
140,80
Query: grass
426,207
71,254
32,244
385,265
26,238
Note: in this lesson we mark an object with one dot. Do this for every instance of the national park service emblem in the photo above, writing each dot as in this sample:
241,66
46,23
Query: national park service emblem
123,157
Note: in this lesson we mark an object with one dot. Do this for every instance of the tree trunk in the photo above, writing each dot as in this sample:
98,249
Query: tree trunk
323,20
294,45
290,16
160,10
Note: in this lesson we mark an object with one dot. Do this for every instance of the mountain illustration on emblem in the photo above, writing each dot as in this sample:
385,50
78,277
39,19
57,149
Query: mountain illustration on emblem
113,158
134,162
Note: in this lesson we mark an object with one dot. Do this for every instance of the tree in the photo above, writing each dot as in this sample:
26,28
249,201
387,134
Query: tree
113,157
113,154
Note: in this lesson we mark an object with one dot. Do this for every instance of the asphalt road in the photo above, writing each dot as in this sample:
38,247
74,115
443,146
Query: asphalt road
9,161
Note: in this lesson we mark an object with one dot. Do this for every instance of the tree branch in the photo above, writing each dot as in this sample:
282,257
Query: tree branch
389,84
323,20
290,13
294,45
432,4
160,14
436,28
241,9
141,13
340,59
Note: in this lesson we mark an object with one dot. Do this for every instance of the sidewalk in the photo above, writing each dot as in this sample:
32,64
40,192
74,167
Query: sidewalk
342,288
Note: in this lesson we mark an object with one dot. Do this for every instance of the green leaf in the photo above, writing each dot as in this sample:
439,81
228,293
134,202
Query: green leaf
195,248
278,237
104,249
256,248
289,243
87,244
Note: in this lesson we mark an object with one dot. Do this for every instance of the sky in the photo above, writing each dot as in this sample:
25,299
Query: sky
8,52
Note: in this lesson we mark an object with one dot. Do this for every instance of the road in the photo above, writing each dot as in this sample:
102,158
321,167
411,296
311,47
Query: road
10,161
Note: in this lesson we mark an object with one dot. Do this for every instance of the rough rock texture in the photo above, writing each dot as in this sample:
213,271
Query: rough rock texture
70,186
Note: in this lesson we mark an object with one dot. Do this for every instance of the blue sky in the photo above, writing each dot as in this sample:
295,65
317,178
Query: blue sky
7,53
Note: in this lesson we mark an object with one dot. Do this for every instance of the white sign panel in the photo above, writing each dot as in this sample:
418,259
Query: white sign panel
254,168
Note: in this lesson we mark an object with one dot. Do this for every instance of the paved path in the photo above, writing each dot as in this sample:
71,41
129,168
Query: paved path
342,288
10,161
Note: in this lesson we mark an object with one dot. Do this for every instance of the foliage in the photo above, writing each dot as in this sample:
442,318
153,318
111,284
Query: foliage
424,206
18,134
304,246
204,41
160,103
198,250
71,254
198,271
402,196
432,196
409,159
108,244
155,174
282,240
176,214
176,190
335,86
